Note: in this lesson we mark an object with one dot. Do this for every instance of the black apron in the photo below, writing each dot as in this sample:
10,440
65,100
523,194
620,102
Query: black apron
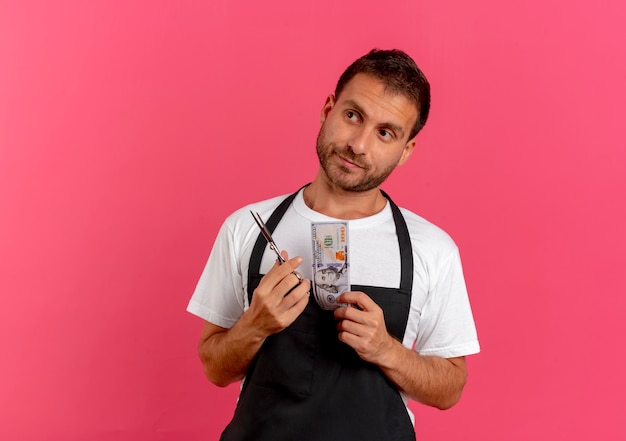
306,385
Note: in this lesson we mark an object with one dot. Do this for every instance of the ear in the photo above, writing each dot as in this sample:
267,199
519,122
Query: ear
328,106
408,149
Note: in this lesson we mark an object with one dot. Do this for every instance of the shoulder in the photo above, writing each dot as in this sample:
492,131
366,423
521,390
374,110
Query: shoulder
428,237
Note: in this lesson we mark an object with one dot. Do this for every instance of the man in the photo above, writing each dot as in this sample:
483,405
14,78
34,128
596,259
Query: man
347,374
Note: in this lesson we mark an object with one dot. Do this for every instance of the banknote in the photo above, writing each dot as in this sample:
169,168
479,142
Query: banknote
331,267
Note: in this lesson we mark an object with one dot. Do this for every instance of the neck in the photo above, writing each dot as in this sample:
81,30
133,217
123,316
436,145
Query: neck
326,198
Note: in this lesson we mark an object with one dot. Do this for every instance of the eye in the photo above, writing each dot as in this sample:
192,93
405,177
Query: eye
353,116
386,134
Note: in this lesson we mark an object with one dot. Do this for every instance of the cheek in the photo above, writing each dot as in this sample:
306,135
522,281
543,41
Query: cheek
384,160
337,131
330,133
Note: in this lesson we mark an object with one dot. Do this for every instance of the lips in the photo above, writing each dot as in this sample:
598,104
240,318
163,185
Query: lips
349,163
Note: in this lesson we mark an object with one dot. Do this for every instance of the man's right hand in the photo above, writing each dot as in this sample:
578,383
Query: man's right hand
280,297
276,303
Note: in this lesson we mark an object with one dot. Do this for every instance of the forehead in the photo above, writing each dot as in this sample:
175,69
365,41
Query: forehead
377,100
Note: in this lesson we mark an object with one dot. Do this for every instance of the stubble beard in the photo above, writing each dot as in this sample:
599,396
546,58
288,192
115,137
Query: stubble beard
339,175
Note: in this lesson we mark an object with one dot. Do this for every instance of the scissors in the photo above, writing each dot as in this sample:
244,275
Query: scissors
266,234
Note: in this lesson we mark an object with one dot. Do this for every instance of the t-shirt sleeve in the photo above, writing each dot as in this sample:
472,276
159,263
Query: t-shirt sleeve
218,297
447,326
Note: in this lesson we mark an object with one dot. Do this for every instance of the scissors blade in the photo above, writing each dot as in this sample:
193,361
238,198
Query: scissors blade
267,235
270,241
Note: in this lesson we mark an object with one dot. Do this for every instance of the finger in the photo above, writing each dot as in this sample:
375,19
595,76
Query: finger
298,307
292,264
359,299
297,294
289,266
352,334
279,271
349,326
290,282
349,317
298,277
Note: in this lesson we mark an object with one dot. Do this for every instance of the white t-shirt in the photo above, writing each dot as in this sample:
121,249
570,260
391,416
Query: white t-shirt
440,320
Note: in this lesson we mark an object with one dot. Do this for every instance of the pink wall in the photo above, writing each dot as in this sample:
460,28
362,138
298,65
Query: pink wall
129,130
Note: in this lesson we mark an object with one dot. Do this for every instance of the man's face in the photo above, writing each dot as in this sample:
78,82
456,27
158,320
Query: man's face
364,134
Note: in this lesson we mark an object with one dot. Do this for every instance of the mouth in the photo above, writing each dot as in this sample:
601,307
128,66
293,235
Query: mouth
349,163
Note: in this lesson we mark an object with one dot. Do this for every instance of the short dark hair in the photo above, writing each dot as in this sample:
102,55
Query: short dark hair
399,73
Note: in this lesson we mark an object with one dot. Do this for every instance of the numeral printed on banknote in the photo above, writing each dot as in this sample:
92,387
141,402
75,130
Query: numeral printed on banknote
331,268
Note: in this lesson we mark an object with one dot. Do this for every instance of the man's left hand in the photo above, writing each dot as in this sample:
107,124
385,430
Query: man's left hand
362,327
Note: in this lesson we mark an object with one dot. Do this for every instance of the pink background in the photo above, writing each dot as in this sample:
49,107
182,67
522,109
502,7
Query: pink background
129,130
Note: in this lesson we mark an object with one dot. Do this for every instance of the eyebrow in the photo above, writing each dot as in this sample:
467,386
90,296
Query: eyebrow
395,127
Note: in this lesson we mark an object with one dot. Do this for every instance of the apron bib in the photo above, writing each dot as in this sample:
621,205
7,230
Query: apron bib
306,385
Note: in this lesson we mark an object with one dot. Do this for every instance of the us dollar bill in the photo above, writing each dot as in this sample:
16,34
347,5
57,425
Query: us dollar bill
331,267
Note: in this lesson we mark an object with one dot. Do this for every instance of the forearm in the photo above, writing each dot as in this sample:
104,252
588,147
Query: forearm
226,354
433,381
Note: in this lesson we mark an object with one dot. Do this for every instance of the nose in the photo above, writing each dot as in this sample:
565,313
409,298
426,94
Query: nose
359,143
